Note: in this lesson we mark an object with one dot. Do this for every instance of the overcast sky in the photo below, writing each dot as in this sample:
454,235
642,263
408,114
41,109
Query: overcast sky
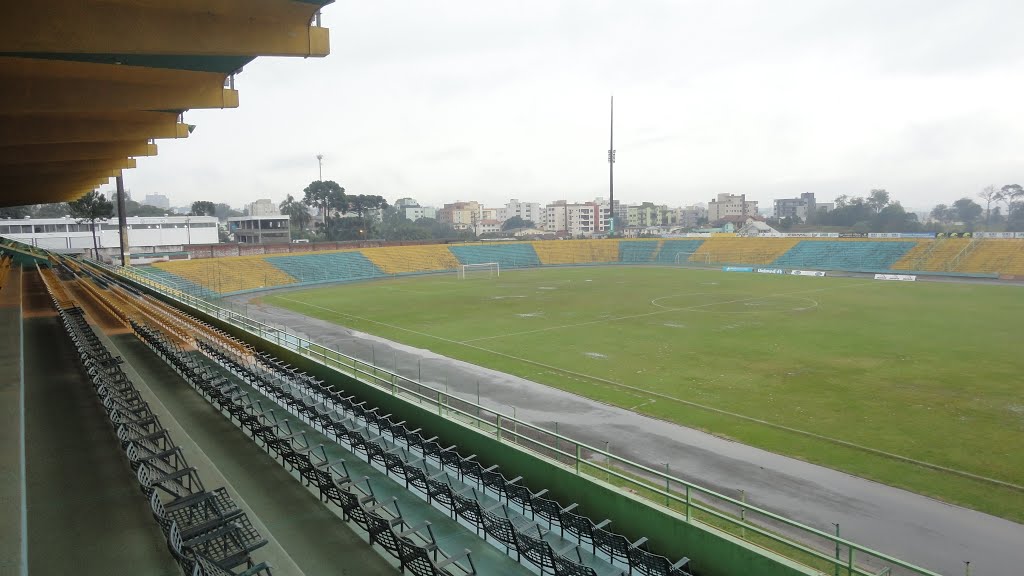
467,100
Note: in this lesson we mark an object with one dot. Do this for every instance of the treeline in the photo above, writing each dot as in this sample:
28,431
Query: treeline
1002,210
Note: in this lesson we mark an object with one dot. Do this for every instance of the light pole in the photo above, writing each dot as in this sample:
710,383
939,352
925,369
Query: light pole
611,167
320,161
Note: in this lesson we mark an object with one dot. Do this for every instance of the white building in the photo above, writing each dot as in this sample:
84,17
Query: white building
731,205
143,231
489,226
158,200
262,207
414,213
526,210
577,219
261,229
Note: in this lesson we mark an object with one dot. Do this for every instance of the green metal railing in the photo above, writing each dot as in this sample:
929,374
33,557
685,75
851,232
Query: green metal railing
803,544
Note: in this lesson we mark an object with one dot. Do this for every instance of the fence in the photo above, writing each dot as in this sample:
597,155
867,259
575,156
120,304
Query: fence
809,546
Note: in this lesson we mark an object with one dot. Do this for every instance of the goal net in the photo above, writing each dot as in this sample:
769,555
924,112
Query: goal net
484,270
684,258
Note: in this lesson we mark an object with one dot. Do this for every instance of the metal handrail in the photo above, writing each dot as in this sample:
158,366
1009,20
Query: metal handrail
372,375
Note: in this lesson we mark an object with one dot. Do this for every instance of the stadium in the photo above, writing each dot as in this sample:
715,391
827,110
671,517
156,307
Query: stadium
706,404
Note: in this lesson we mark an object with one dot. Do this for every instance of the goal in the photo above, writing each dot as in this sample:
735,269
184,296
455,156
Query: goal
486,269
684,258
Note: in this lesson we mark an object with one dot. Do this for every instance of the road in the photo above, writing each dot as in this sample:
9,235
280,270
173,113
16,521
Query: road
914,528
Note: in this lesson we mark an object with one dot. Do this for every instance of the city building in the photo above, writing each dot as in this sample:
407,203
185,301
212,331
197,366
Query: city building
262,207
802,207
260,229
157,200
68,234
414,213
691,216
530,211
577,219
460,215
731,205
488,226
406,203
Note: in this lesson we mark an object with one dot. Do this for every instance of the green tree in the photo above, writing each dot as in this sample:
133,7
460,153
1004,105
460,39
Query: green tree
878,200
325,195
518,222
17,212
203,208
989,194
967,211
223,211
296,211
57,210
90,208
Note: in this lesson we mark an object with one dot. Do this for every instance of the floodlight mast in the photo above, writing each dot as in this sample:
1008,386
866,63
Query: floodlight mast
611,166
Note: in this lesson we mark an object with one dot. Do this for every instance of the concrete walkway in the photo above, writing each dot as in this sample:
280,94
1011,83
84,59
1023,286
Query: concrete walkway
915,528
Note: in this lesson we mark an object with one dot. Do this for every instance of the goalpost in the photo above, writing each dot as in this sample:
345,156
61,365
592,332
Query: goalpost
490,269
693,258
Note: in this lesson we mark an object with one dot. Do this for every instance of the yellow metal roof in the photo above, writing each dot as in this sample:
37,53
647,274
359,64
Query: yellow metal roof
88,85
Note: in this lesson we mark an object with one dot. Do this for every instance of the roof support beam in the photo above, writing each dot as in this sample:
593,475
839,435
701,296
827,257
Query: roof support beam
39,153
108,127
56,86
212,28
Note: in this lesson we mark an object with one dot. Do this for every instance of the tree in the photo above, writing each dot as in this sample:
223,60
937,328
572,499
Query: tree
967,211
989,194
58,210
517,222
942,213
203,208
878,200
90,208
223,211
323,195
17,212
296,211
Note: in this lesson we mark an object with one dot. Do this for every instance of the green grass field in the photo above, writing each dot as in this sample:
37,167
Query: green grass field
927,371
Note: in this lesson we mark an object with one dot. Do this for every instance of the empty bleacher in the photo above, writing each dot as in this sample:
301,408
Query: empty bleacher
577,251
932,255
412,259
326,266
638,251
748,251
507,255
677,251
844,255
226,275
994,256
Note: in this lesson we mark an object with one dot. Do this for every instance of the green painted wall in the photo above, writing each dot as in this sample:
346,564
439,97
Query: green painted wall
712,553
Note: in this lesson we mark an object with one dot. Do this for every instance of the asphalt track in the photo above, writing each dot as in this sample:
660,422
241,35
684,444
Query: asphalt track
915,528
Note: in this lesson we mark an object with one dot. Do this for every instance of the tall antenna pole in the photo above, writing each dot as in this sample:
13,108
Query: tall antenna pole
320,160
611,166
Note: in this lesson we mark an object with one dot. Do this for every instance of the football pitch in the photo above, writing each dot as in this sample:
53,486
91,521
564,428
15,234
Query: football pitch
916,385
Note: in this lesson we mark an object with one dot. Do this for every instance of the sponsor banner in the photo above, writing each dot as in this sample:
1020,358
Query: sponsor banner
770,271
997,235
853,235
901,235
811,235
901,277
737,269
817,273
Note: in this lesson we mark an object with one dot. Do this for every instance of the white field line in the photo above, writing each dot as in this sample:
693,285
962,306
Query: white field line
643,391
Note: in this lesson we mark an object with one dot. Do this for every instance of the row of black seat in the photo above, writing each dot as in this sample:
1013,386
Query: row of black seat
414,547
206,532
367,432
